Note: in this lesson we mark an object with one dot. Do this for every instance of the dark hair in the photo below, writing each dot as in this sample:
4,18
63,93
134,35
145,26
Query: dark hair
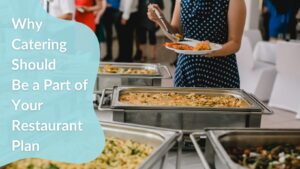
282,6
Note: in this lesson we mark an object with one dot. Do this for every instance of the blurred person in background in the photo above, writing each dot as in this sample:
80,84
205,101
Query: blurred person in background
282,21
127,23
172,11
110,17
86,11
63,9
172,6
265,18
146,29
218,21
99,23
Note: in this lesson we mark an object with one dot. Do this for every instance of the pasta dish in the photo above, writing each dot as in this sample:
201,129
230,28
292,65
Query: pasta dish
109,69
117,154
179,99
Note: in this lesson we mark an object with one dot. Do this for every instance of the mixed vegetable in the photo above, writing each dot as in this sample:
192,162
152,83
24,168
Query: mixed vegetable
117,154
273,156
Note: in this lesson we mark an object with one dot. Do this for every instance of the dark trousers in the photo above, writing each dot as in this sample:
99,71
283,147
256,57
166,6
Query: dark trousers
266,20
110,19
126,38
172,7
142,36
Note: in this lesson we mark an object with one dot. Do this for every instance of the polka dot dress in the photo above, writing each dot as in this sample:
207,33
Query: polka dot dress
206,20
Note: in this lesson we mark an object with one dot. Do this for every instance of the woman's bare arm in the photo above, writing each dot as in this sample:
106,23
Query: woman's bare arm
176,23
67,16
236,23
94,8
101,11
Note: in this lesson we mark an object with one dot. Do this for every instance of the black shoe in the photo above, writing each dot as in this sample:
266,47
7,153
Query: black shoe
129,60
107,58
120,59
138,55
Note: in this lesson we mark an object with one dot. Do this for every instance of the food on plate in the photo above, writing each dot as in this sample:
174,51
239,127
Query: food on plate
204,45
179,37
178,46
117,154
110,69
269,156
180,99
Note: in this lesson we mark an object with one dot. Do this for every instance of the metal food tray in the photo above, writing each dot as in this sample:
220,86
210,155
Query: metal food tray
109,80
237,93
156,67
162,140
187,119
215,155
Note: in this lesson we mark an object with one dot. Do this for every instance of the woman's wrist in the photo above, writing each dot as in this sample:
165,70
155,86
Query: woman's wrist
91,8
229,48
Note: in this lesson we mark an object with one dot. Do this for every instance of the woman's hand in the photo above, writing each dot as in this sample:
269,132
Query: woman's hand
83,9
94,8
86,9
152,15
174,26
97,19
123,21
80,9
236,21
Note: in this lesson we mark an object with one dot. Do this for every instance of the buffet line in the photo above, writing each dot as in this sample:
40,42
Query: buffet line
149,121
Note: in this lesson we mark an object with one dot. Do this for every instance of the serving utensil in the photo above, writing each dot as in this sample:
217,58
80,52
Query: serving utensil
167,33
165,29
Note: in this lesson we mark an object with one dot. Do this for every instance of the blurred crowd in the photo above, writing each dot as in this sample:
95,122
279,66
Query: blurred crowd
127,19
279,19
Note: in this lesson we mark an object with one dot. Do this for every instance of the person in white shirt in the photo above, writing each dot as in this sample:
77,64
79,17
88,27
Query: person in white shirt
127,25
63,9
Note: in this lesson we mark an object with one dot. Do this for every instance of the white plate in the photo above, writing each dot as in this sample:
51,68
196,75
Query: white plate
214,47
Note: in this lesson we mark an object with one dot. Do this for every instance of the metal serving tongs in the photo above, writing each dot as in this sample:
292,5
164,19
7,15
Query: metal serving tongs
165,29
173,37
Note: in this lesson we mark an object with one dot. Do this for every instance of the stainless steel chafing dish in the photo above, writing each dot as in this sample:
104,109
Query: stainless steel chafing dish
187,119
217,157
162,140
108,80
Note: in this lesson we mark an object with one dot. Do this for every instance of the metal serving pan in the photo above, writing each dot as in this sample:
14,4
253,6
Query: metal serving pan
146,66
216,156
237,93
186,119
108,80
162,140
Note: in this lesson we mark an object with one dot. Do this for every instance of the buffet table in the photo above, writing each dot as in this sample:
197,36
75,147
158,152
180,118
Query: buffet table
188,110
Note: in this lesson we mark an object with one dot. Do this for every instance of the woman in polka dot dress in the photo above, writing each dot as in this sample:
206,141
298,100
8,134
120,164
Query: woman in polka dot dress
218,21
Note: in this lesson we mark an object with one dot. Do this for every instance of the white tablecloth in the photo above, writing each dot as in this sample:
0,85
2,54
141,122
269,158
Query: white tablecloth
265,51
